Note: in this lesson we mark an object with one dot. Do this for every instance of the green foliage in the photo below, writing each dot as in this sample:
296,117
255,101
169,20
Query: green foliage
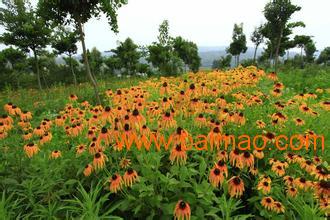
95,59
162,55
324,57
165,59
277,28
310,50
248,62
80,11
127,55
24,28
164,37
222,63
188,52
64,41
238,44
257,38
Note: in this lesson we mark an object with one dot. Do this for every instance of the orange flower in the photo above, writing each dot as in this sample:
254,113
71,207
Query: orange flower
99,160
321,173
221,165
260,124
222,155
80,149
216,177
258,154
267,202
253,171
248,159
39,131
178,155
27,136
302,183
299,122
55,154
130,177
235,159
25,116
88,170
73,97
31,149
124,163
264,185
288,180
278,169
116,183
236,187
104,136
292,192
182,211
324,205
278,207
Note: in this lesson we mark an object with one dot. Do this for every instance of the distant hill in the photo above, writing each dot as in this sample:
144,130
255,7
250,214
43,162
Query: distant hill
207,55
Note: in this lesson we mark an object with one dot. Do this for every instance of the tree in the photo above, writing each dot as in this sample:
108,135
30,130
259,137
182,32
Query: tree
128,55
162,55
14,63
25,29
78,12
64,42
257,38
164,58
301,41
188,52
95,59
310,50
238,44
164,37
277,14
324,57
222,63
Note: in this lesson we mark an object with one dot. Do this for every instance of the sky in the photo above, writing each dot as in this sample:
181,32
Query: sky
205,22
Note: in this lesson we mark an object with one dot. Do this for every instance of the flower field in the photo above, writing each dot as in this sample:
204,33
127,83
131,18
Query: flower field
66,158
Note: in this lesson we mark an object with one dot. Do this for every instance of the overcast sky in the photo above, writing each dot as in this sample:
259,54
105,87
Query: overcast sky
206,22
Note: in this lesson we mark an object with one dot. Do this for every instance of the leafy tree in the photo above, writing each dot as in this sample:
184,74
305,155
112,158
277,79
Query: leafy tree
310,50
78,12
188,52
222,63
162,55
238,44
113,63
324,57
128,55
14,63
164,58
278,14
301,41
257,38
25,29
95,59
164,37
64,42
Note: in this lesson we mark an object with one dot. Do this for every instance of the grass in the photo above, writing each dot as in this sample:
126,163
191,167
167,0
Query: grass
44,188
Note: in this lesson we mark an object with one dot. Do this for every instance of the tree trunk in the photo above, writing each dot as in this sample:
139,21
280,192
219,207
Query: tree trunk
72,71
255,54
45,82
302,58
278,48
88,70
238,59
37,68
